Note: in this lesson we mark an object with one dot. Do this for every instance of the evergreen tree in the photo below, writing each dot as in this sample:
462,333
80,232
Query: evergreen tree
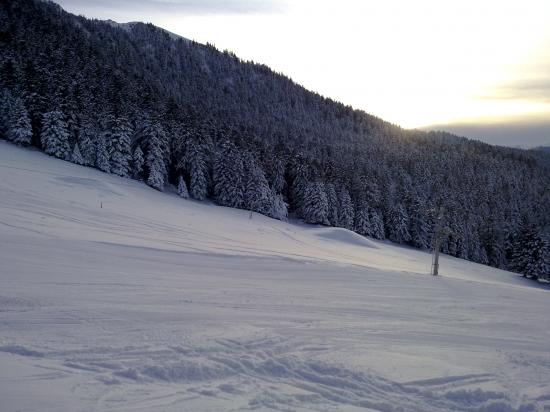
154,161
347,214
102,156
257,194
398,225
228,176
279,208
76,157
299,183
19,129
278,180
88,135
54,135
196,163
420,228
315,204
6,102
333,204
362,224
531,254
137,163
118,146
182,188
376,224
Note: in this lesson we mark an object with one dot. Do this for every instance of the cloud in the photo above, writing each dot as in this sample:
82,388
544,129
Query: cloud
535,89
531,83
186,7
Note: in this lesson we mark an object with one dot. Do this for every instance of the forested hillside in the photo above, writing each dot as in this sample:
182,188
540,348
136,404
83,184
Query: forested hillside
136,101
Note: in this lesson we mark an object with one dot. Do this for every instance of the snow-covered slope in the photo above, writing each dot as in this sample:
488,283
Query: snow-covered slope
115,297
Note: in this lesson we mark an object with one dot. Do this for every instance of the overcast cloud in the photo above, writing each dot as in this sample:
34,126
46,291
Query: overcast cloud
186,7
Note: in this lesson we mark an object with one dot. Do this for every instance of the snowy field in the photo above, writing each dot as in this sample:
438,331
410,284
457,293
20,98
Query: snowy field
155,303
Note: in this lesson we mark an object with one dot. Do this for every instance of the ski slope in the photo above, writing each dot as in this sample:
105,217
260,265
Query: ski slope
116,297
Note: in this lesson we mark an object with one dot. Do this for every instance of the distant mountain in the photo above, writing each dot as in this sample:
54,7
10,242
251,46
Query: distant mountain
517,132
138,101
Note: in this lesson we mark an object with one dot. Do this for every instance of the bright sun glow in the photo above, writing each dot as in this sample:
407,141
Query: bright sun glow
412,63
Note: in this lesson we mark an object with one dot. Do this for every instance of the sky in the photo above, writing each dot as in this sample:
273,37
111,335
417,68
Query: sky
478,68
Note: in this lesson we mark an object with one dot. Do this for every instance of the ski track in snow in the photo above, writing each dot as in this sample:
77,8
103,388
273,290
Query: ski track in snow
154,303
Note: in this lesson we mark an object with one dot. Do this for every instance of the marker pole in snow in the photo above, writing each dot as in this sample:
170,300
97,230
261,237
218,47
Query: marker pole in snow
438,238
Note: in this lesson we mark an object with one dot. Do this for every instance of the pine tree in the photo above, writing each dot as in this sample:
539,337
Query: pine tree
333,204
54,135
118,146
195,162
102,156
279,208
531,254
156,141
257,194
347,214
88,134
137,163
6,102
398,224
315,206
278,181
376,224
182,188
299,184
420,227
362,223
76,157
228,176
19,124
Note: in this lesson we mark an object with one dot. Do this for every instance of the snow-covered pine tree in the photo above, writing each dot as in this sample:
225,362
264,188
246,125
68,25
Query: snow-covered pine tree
315,204
347,214
531,254
376,224
333,204
493,240
199,178
476,251
87,136
196,164
278,180
228,176
362,223
6,99
76,156
156,142
398,224
182,188
257,194
459,232
420,228
118,146
279,208
54,135
102,156
137,163
19,129
299,173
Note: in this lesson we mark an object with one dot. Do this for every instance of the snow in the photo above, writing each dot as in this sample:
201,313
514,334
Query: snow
117,297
